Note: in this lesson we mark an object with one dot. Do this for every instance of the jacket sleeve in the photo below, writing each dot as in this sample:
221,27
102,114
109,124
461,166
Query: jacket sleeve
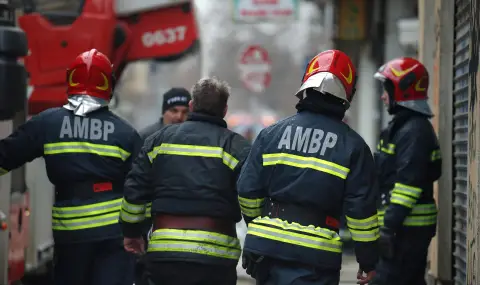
137,193
241,149
413,156
360,208
251,185
24,144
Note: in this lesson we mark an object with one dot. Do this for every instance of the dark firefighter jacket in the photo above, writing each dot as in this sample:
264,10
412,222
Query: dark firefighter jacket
151,129
144,134
87,160
317,162
187,169
408,161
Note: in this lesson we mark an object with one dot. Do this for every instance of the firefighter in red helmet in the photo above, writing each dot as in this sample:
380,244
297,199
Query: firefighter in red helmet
293,220
88,151
408,161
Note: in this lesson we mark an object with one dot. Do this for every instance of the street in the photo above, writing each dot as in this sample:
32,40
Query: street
347,275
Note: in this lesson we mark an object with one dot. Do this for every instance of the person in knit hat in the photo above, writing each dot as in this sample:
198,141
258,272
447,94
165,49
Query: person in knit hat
174,110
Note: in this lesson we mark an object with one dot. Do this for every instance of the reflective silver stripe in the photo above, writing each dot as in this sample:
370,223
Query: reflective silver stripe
403,200
86,210
306,162
196,235
195,248
420,220
133,208
407,190
424,209
195,241
84,147
251,203
362,224
294,238
129,218
321,232
194,150
85,223
365,236
251,207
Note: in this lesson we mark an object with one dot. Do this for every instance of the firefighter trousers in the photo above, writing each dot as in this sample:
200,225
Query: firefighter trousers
189,273
93,263
278,272
409,263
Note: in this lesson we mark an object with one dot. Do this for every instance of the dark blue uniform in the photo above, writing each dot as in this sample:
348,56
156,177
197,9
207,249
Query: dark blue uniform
408,161
188,171
302,174
87,159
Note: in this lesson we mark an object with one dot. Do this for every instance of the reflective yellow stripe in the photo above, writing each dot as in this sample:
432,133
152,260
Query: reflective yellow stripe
403,200
389,148
407,190
296,234
84,147
436,155
251,207
132,213
195,242
86,217
3,171
194,150
405,195
421,215
363,230
305,162
148,210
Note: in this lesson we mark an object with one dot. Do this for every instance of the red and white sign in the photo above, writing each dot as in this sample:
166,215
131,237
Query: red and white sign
255,68
264,10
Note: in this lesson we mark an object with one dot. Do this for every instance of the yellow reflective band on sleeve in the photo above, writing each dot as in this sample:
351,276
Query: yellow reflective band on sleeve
132,213
84,147
363,230
195,242
436,155
295,234
405,195
305,162
411,191
251,207
387,148
194,150
420,216
3,171
86,217
148,211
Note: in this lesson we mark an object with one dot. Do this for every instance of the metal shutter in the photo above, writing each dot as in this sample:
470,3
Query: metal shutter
460,140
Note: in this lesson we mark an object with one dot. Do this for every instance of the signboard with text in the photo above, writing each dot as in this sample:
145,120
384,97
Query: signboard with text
255,68
251,11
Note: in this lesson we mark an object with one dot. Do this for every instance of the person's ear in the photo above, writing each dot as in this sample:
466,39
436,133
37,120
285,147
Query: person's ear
190,105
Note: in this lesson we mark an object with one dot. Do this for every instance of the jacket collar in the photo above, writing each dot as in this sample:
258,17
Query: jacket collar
207,118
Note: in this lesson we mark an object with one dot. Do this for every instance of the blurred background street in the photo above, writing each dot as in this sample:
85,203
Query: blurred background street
261,48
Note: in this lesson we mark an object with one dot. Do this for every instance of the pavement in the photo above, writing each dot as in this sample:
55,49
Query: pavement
347,275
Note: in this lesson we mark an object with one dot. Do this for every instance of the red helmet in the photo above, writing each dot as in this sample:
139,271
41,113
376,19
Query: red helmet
406,82
91,73
331,73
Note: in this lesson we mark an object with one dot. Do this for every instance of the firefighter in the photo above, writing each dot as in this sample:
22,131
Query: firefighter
174,110
299,175
188,171
88,151
408,162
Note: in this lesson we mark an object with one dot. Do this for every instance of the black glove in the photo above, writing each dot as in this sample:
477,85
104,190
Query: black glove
250,263
386,243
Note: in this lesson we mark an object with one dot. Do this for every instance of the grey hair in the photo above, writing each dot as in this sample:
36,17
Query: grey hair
210,96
